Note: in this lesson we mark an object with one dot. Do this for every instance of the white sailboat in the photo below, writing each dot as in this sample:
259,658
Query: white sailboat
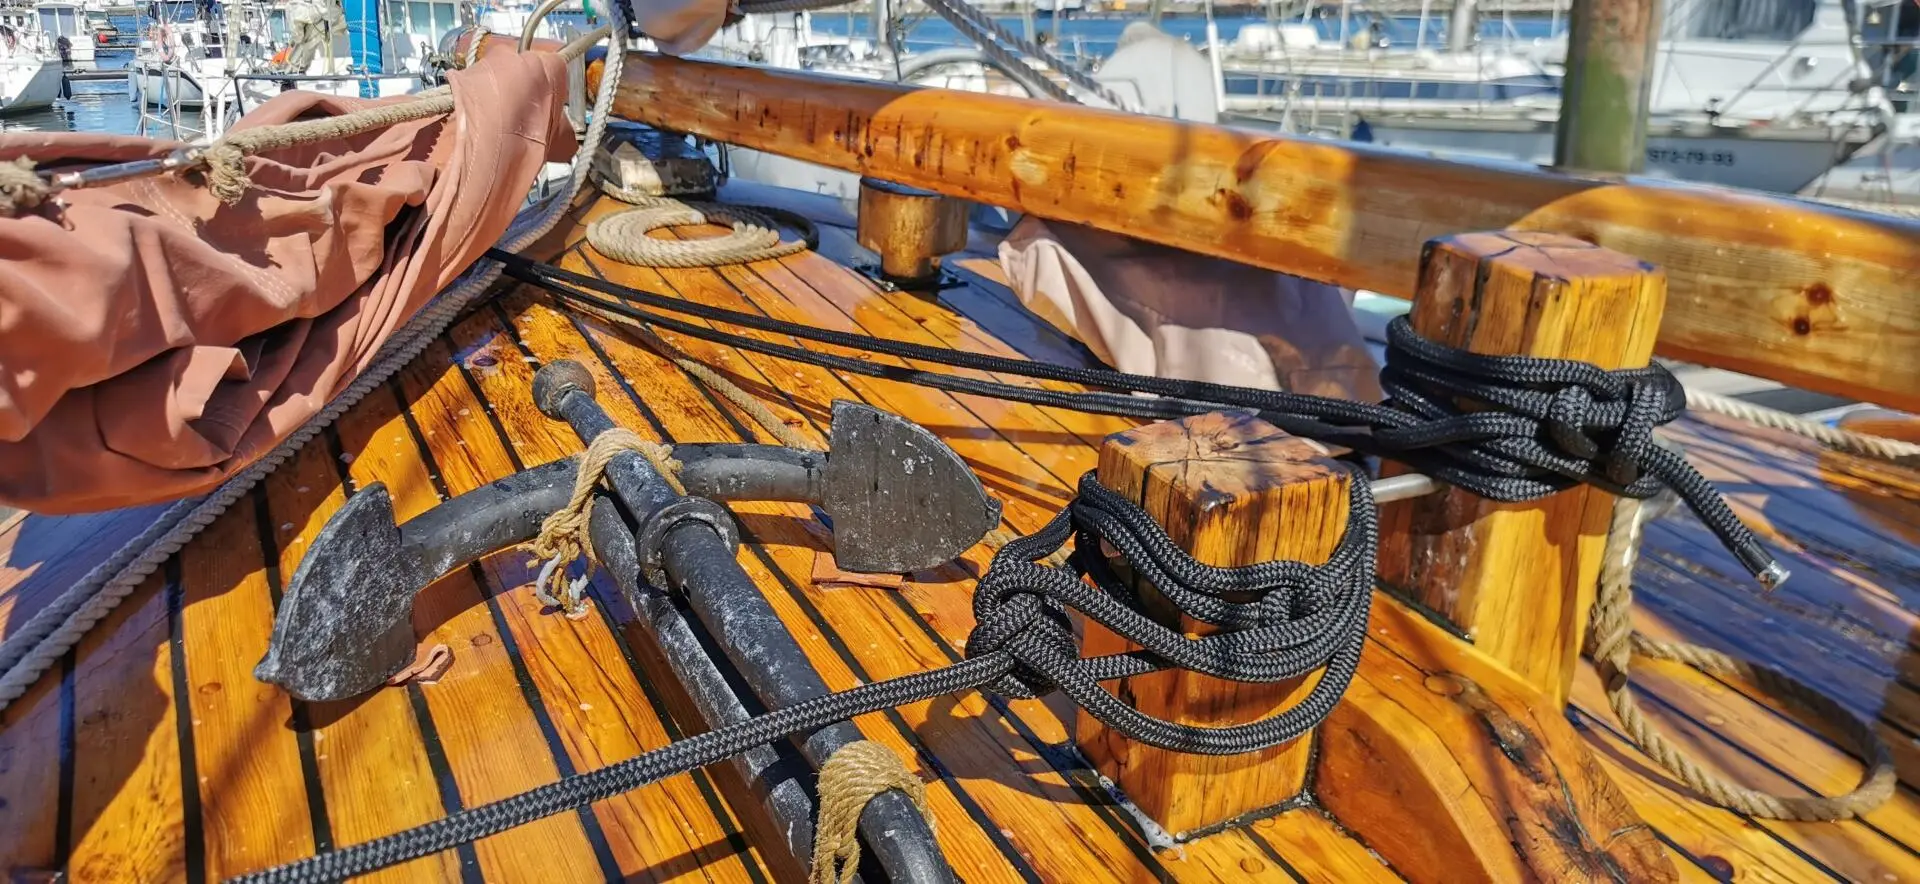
29,72
1770,105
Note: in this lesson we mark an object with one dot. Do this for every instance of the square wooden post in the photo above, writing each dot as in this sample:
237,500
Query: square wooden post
1230,489
1518,578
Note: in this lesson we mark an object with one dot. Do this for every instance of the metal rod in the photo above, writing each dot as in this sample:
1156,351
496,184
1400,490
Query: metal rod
184,158
699,564
1405,487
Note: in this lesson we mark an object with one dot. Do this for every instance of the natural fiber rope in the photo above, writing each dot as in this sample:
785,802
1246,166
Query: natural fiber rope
623,236
854,775
227,173
1614,643
563,536
21,188
1832,437
39,643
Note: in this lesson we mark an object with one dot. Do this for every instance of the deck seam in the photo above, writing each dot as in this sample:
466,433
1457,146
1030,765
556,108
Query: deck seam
906,732
301,712
451,801
529,692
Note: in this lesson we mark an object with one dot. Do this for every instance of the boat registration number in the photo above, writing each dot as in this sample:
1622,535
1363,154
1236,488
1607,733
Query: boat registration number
1676,157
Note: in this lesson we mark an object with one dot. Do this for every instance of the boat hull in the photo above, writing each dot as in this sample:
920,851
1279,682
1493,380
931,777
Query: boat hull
159,87
28,84
1779,162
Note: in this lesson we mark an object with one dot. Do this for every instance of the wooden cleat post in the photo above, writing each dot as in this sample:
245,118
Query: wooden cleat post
909,228
1518,578
1230,489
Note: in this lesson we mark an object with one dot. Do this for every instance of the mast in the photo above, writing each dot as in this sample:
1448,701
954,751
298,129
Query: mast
1603,104
363,41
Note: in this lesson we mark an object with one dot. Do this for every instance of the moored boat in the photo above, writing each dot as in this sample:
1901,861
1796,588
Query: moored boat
233,714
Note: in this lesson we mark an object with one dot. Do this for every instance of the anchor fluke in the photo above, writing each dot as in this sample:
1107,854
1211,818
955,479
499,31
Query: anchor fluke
345,624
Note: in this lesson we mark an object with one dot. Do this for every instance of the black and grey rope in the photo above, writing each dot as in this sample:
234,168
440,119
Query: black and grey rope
1551,424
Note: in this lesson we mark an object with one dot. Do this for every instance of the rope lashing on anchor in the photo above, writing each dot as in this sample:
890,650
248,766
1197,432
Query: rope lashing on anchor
1277,621
1552,424
563,536
854,775
1614,643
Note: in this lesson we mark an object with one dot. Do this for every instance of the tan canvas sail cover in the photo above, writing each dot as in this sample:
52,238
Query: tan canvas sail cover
154,341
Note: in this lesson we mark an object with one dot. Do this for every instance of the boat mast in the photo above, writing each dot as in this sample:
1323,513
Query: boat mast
1603,104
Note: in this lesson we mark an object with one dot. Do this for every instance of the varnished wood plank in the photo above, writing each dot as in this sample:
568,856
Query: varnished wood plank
1808,295
35,756
371,756
670,829
493,748
1317,849
772,301
1758,749
1715,839
41,556
253,796
128,818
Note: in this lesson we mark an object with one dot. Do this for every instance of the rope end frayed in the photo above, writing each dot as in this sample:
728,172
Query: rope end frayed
226,172
21,188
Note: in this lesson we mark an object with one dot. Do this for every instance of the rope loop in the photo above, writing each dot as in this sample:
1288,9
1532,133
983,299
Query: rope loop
1271,621
1613,644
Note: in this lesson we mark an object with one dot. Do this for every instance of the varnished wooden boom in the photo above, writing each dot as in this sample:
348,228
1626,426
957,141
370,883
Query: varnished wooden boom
1804,294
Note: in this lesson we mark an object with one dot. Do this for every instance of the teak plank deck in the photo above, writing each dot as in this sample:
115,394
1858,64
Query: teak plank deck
153,754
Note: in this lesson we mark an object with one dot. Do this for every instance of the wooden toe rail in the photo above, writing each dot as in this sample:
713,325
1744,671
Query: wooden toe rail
1804,294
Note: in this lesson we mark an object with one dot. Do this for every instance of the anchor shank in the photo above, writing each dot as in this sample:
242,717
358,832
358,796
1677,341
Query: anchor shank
774,776
700,566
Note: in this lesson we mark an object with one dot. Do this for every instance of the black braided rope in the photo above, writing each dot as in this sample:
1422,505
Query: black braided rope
1549,424
1278,620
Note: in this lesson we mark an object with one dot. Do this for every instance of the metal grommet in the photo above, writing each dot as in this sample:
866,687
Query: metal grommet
653,534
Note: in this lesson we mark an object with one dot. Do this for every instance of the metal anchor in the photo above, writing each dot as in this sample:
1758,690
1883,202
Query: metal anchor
899,500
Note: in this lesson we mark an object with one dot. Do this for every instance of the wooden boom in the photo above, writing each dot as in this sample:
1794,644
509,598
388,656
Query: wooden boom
1801,293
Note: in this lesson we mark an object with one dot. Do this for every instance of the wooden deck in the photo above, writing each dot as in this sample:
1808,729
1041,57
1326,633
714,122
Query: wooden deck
152,753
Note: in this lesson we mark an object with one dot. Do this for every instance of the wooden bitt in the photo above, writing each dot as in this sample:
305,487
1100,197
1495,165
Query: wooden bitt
1454,771
910,228
1230,489
1518,578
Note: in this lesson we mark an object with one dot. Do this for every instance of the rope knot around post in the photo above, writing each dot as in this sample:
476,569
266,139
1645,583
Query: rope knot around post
1021,609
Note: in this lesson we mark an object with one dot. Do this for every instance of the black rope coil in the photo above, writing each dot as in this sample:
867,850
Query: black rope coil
1278,621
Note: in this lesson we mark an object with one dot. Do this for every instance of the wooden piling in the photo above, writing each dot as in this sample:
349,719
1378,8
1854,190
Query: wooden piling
1230,489
1518,578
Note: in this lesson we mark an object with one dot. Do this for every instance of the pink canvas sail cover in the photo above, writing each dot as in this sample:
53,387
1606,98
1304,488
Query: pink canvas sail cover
154,341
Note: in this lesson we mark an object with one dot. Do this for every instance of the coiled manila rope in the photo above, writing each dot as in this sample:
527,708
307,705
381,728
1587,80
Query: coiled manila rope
1614,643
623,236
40,642
855,774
